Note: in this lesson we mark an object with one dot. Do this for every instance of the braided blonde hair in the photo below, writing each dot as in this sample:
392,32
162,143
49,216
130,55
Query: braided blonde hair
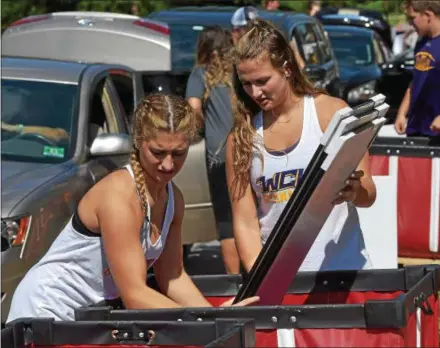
158,112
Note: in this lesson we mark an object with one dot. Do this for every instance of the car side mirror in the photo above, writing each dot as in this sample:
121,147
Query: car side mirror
111,144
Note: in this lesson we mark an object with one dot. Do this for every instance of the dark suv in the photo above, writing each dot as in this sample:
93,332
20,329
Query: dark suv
360,18
185,24
367,64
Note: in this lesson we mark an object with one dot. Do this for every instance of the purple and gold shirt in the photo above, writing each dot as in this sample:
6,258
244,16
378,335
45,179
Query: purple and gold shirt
425,88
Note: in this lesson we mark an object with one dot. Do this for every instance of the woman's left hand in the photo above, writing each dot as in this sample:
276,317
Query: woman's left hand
245,302
352,185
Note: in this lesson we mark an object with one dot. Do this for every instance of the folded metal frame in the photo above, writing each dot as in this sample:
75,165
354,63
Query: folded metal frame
344,143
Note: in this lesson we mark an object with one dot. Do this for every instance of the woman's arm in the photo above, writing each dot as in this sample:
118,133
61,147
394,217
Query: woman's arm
48,132
245,216
120,221
195,90
196,104
173,281
360,189
402,113
170,274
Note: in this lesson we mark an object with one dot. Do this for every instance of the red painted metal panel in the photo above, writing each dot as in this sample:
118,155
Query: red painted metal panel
413,206
379,165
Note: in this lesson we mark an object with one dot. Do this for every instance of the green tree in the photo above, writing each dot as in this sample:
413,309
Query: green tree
13,10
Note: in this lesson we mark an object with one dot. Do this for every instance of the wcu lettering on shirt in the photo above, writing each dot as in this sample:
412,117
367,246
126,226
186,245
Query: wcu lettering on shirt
279,188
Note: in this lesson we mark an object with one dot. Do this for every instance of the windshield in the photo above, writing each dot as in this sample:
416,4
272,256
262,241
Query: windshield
38,119
352,50
183,45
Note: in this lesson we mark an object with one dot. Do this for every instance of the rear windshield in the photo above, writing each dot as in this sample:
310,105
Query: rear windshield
352,50
183,45
38,120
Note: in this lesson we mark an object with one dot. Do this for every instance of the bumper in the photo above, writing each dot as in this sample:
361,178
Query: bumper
13,270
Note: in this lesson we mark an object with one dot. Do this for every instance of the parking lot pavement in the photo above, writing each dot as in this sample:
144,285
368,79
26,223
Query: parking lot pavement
204,258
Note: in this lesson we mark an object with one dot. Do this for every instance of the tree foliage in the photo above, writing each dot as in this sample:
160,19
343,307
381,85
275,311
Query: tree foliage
13,10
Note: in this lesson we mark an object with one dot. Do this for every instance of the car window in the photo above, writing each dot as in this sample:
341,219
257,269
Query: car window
103,117
377,52
297,52
308,43
39,120
385,50
352,50
323,43
183,45
123,83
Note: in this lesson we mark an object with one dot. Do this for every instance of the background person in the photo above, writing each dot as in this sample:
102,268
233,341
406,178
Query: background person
313,7
279,121
419,113
240,19
209,93
55,134
271,5
128,222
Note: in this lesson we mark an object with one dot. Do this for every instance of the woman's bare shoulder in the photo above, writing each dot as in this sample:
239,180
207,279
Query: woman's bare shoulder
179,202
119,180
326,107
114,196
117,187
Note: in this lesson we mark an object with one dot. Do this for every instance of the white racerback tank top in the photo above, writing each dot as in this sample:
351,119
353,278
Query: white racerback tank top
340,244
74,273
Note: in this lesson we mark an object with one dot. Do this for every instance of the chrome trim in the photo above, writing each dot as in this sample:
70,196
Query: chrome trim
26,238
93,14
39,80
198,205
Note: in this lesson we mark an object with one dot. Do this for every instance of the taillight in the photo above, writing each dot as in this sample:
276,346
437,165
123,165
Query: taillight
30,19
14,231
119,72
153,26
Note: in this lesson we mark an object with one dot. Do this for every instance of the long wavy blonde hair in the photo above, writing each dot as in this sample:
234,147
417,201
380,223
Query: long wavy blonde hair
260,41
154,113
214,48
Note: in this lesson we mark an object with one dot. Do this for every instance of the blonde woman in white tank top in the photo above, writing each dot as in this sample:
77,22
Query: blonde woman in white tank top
127,222
276,132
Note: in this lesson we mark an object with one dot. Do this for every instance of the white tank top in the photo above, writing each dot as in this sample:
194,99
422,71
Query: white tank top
74,273
340,243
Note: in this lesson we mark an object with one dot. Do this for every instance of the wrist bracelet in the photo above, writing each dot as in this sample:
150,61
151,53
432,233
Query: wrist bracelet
20,128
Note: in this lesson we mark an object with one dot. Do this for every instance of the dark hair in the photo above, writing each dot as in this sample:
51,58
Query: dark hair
424,5
313,3
261,41
214,47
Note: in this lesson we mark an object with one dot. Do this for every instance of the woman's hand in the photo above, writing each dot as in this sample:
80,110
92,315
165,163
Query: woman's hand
245,302
435,125
400,124
352,185
9,127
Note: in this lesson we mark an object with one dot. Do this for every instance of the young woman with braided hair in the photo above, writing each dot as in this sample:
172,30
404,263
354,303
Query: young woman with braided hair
209,92
279,121
129,221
